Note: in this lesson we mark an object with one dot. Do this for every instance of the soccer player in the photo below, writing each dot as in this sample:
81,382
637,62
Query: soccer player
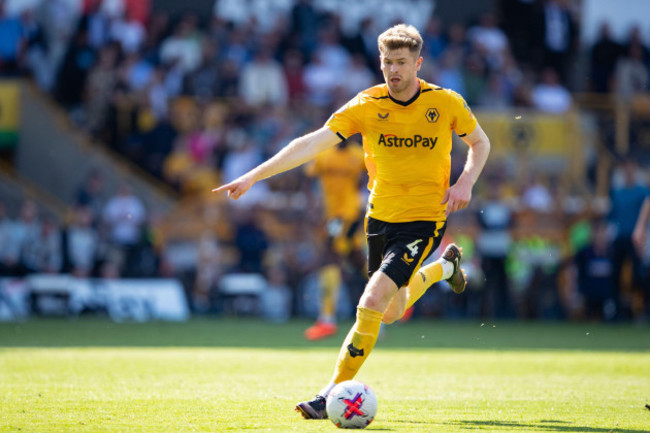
340,171
407,127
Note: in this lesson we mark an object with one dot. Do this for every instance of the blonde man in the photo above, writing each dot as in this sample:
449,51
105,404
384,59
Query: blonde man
407,127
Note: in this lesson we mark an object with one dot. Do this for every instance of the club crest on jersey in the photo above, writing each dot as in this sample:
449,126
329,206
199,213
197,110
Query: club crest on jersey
391,140
432,115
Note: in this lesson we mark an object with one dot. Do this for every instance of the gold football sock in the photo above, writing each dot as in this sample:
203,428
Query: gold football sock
358,344
421,281
330,280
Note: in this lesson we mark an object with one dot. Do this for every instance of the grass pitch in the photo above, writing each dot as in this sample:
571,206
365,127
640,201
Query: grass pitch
245,375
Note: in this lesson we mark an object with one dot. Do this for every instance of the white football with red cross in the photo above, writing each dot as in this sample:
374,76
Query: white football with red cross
351,404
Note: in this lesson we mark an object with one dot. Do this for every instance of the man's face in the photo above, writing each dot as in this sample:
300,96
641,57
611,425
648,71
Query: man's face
400,68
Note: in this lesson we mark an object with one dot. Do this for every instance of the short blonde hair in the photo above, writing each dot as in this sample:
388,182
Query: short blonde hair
400,36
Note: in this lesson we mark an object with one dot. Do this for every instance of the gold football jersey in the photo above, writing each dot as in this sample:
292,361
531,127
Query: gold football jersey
339,171
407,148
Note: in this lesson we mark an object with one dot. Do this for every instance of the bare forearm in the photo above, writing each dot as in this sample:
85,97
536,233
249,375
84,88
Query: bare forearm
477,156
294,154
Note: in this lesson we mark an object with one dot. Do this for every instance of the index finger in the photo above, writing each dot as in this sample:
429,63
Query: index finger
221,188
450,205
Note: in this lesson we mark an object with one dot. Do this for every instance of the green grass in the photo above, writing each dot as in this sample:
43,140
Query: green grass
245,375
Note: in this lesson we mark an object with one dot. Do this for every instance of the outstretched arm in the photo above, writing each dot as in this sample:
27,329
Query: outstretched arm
641,228
299,151
459,194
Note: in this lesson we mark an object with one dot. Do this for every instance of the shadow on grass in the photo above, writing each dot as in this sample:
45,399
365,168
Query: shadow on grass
543,425
233,332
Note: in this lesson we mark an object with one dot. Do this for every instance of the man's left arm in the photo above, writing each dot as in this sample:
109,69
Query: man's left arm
459,194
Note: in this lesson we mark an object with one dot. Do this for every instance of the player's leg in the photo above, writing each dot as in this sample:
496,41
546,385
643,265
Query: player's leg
330,283
412,248
338,247
396,307
447,267
363,334
358,343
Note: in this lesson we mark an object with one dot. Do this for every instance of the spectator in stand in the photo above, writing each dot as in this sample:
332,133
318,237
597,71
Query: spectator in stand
99,90
262,81
434,38
183,47
457,39
493,245
475,74
97,22
204,81
604,56
228,83
129,32
549,95
449,73
520,19
36,58
251,241
42,251
631,73
9,254
124,215
332,53
536,195
137,74
626,203
91,194
559,35
595,267
157,28
81,244
304,20
237,47
209,268
59,19
635,39
293,71
71,79
320,82
357,77
12,42
26,227
490,39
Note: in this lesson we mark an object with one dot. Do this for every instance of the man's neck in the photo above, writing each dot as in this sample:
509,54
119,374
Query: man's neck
407,94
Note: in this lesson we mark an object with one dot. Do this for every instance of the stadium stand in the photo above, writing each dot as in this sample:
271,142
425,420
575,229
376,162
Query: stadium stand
175,102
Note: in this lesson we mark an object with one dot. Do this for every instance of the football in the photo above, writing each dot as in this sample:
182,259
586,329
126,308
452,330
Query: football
351,404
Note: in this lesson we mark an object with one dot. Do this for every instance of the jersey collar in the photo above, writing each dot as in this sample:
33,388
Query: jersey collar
410,101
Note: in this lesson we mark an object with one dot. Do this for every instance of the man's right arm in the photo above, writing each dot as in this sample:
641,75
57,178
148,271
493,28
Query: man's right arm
299,151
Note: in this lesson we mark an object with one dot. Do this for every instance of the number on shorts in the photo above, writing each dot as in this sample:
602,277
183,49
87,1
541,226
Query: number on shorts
413,247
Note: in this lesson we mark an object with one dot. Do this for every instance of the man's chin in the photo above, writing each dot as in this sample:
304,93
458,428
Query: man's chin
395,88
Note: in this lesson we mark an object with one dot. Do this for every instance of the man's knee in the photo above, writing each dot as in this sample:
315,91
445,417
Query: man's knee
378,292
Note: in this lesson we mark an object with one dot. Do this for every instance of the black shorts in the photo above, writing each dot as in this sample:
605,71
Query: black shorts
398,249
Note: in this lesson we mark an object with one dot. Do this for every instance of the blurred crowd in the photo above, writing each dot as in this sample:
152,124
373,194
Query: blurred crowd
198,100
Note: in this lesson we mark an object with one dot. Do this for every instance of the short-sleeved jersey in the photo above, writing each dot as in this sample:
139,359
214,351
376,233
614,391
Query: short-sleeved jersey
339,171
407,148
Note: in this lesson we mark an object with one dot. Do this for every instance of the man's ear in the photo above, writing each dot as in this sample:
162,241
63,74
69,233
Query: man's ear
418,62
